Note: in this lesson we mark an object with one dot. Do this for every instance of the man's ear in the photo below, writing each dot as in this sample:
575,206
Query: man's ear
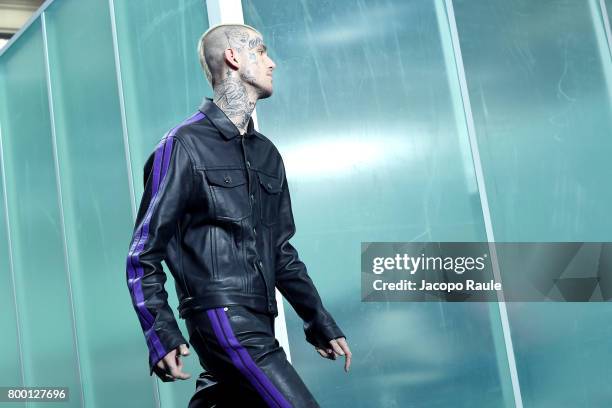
232,58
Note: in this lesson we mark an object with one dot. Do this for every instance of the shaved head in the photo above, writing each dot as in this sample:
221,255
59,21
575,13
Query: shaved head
238,67
214,42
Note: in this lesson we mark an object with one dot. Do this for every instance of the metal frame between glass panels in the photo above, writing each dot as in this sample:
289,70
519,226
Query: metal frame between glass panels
61,203
484,202
606,24
128,157
126,146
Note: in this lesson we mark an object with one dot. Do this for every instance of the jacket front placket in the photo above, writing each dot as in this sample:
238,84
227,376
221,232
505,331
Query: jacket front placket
257,263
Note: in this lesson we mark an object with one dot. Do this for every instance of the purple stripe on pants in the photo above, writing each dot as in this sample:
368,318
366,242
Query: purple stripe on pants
243,360
135,269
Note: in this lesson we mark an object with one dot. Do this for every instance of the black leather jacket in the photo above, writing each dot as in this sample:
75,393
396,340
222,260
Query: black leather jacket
216,209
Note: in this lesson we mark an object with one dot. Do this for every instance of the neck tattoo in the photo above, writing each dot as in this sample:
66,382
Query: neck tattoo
232,97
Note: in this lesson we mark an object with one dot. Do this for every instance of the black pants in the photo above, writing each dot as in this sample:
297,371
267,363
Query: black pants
243,362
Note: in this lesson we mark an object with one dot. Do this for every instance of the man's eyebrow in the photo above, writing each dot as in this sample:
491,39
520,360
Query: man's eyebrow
264,47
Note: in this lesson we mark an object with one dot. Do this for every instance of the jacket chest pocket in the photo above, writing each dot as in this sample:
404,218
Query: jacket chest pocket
270,188
230,197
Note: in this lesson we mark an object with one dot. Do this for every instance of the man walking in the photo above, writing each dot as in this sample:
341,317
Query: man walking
216,208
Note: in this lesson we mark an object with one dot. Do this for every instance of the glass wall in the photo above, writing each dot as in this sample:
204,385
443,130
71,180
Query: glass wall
538,74
10,364
162,79
162,85
100,134
42,283
369,122
369,117
96,201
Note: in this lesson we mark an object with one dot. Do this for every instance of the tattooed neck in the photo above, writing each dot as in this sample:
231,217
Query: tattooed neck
232,97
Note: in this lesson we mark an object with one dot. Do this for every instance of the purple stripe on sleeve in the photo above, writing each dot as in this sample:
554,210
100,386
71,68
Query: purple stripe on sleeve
243,360
135,270
166,161
159,150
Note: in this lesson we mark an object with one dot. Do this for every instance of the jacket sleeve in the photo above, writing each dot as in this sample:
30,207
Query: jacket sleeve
168,177
293,281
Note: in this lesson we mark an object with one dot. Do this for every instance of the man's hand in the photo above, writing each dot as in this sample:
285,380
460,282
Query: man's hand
172,366
338,347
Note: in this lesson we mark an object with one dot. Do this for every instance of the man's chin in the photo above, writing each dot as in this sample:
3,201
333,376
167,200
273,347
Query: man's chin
265,93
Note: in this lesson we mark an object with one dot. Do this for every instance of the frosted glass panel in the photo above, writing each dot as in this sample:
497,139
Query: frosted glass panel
10,367
368,116
539,78
43,296
163,84
96,200
162,78
369,121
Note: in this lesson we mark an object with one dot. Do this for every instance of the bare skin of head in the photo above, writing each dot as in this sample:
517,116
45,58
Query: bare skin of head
240,69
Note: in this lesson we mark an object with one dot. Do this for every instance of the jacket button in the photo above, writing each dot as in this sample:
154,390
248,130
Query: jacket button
260,264
254,231
269,186
252,198
227,179
248,164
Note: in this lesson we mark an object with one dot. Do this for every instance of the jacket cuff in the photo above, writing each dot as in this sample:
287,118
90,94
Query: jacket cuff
319,335
170,343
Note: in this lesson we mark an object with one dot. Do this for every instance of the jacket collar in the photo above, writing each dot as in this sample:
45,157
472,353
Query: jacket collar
222,122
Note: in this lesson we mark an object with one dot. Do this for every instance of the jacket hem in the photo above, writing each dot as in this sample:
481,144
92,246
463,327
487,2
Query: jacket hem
192,304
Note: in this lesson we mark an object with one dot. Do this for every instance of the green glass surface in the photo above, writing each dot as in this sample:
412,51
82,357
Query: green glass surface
369,121
10,367
538,74
162,79
41,280
96,202
163,84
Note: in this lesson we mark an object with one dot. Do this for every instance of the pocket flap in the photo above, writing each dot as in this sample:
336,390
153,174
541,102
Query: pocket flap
271,184
226,178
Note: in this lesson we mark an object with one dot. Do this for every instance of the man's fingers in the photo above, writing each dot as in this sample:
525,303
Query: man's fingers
336,347
347,361
347,352
327,353
163,363
163,370
181,375
184,350
173,365
177,373
339,347
344,345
